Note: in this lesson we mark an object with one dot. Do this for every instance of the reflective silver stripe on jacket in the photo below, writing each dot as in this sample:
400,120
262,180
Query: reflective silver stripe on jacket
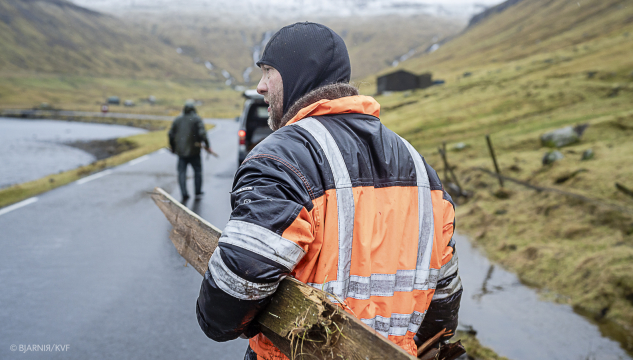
450,289
234,285
449,269
397,324
262,241
425,277
344,200
363,287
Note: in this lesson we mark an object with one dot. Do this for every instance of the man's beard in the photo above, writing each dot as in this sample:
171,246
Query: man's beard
276,110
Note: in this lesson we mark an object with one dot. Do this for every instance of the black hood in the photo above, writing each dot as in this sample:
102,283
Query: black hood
308,56
188,109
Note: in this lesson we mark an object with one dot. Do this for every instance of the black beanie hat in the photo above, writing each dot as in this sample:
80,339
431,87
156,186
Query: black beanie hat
308,56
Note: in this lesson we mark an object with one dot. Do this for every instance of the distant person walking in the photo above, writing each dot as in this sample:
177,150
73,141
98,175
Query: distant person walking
186,137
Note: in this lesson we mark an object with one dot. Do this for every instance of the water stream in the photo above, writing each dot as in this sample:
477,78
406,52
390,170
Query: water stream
510,318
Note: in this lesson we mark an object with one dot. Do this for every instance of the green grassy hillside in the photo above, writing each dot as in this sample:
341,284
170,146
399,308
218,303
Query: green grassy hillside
57,36
537,66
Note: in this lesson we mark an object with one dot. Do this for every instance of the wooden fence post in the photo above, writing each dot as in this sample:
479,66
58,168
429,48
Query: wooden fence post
494,160
454,178
445,167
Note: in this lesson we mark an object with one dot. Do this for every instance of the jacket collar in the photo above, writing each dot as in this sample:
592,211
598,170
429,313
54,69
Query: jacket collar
332,99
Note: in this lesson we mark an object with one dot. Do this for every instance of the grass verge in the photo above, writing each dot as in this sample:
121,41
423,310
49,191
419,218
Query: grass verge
143,144
474,349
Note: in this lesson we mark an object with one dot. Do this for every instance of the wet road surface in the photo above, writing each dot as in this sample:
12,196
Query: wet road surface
31,149
91,265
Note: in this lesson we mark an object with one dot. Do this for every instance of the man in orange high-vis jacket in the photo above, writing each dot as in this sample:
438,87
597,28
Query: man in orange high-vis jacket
336,200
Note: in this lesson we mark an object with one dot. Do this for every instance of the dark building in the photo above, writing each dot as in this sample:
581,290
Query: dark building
425,80
403,80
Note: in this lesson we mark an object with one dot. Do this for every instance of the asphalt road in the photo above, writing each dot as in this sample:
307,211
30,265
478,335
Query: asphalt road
89,266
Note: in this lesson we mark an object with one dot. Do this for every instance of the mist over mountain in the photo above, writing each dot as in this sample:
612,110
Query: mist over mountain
289,9
231,46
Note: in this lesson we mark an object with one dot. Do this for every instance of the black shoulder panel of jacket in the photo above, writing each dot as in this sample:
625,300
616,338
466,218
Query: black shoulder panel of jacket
368,148
271,186
293,150
434,179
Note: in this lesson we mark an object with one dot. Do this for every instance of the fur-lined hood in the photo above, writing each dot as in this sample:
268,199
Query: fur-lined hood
331,99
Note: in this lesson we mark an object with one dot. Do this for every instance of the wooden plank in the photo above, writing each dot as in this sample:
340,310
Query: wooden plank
300,320
194,238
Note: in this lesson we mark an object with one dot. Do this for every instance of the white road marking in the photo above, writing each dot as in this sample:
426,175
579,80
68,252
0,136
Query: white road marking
93,177
162,151
17,205
138,160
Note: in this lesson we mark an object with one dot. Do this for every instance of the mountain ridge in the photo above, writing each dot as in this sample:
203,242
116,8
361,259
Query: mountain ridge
477,18
58,36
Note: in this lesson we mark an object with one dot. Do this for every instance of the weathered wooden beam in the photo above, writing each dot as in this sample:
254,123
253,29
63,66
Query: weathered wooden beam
300,320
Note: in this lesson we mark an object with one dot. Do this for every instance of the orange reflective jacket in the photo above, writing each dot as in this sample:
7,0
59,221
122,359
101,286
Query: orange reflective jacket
344,204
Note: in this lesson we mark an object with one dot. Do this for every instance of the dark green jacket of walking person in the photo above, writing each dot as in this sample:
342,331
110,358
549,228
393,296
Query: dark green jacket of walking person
187,134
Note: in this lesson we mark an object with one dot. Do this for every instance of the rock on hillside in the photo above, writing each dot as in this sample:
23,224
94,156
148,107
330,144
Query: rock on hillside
56,36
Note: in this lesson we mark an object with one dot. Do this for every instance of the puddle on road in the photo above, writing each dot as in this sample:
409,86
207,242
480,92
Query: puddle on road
510,318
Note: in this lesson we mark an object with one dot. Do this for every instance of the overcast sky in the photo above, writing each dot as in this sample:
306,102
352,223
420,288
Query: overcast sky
452,2
484,2
457,9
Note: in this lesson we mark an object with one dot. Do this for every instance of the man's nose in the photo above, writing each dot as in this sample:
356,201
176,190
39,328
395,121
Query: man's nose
261,87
